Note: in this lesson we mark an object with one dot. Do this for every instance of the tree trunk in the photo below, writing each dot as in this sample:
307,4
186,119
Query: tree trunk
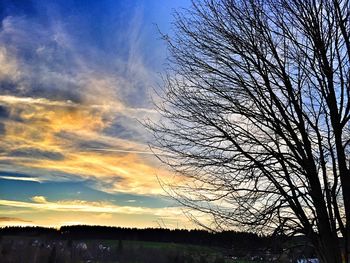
346,252
328,249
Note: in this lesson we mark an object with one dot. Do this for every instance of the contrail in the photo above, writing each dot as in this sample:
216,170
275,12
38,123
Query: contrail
30,179
123,151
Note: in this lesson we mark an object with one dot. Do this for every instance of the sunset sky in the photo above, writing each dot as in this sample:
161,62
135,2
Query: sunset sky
75,80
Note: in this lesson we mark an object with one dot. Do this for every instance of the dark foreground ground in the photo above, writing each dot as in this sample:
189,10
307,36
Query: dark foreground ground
122,251
99,244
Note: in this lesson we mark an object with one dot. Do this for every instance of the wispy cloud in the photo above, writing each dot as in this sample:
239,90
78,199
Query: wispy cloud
58,93
117,150
40,203
13,219
71,105
76,211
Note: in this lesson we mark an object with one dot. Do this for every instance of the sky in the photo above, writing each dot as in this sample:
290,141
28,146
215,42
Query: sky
76,77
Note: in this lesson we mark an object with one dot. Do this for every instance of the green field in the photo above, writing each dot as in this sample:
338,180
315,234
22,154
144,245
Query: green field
17,249
161,251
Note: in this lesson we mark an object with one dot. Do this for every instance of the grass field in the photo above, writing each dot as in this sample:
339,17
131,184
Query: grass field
112,251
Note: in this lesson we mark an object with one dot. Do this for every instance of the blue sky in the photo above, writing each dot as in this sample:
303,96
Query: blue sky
75,80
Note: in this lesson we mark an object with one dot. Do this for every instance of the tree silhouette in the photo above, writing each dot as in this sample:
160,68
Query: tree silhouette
255,117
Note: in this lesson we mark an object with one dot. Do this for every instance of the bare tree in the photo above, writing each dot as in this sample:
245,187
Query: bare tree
255,117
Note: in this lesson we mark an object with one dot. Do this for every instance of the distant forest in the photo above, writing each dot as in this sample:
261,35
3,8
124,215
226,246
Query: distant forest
225,239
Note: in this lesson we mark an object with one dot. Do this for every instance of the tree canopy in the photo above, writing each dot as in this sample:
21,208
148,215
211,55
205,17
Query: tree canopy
255,117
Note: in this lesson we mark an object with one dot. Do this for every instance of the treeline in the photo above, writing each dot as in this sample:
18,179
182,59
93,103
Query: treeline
225,239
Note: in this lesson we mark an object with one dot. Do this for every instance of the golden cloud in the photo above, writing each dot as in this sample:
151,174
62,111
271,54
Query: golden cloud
13,219
39,199
70,212
40,203
120,168
113,172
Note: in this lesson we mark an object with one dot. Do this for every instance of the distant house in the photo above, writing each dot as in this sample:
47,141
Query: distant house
308,260
81,246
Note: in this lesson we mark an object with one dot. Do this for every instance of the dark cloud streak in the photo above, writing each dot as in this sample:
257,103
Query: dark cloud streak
37,154
13,219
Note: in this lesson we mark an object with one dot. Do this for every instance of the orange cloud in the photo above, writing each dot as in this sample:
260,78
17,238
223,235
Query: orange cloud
36,143
68,212
40,203
12,219
116,173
